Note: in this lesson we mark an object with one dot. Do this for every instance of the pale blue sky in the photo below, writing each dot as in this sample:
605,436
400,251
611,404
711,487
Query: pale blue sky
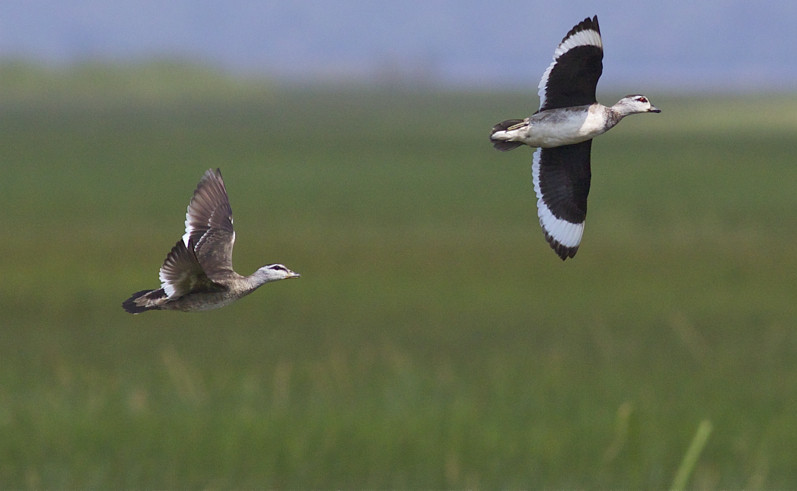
683,46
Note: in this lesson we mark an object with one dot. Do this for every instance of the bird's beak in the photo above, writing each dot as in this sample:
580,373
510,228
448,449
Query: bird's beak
654,109
294,275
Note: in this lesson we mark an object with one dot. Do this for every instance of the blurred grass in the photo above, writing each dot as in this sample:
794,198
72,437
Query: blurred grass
434,340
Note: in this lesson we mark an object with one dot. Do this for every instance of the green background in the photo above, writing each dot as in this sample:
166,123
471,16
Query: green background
434,340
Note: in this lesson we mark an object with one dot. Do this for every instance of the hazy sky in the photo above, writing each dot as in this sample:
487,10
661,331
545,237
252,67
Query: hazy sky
697,45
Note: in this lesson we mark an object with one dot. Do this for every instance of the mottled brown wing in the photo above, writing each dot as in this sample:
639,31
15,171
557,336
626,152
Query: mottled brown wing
181,272
209,226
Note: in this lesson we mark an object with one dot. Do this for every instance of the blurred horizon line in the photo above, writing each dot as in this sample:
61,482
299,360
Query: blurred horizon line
17,71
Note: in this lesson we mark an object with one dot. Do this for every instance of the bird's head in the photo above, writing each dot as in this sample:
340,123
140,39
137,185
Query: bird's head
635,104
275,272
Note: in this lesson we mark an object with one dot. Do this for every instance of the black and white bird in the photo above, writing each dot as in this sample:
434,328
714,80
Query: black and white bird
197,273
563,128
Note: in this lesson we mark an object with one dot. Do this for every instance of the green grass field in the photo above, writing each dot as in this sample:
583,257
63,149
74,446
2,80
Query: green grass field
434,340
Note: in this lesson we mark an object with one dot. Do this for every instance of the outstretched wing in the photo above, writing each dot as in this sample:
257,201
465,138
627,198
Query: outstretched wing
561,178
572,77
209,225
181,273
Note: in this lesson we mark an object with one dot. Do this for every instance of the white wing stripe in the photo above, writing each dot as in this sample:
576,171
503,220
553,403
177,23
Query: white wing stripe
166,284
588,37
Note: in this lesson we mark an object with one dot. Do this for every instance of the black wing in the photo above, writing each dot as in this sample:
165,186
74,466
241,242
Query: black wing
561,181
572,77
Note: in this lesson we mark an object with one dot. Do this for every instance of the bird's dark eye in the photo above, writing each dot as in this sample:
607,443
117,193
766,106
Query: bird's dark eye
642,99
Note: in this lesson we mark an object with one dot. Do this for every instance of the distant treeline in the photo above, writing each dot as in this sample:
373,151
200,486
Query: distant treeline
152,78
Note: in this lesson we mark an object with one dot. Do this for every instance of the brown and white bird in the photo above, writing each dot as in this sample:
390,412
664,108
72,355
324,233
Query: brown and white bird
197,273
563,128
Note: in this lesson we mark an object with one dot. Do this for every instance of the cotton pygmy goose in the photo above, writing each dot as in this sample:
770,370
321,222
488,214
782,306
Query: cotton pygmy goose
562,129
197,273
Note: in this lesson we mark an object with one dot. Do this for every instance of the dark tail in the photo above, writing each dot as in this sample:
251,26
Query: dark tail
504,145
130,305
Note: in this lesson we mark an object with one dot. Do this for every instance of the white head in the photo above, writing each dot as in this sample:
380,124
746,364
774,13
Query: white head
635,104
274,272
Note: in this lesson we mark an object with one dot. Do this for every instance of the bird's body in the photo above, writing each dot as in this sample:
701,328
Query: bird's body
562,129
554,128
197,273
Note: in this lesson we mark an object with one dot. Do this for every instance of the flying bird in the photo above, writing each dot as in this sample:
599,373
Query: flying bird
197,273
562,130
